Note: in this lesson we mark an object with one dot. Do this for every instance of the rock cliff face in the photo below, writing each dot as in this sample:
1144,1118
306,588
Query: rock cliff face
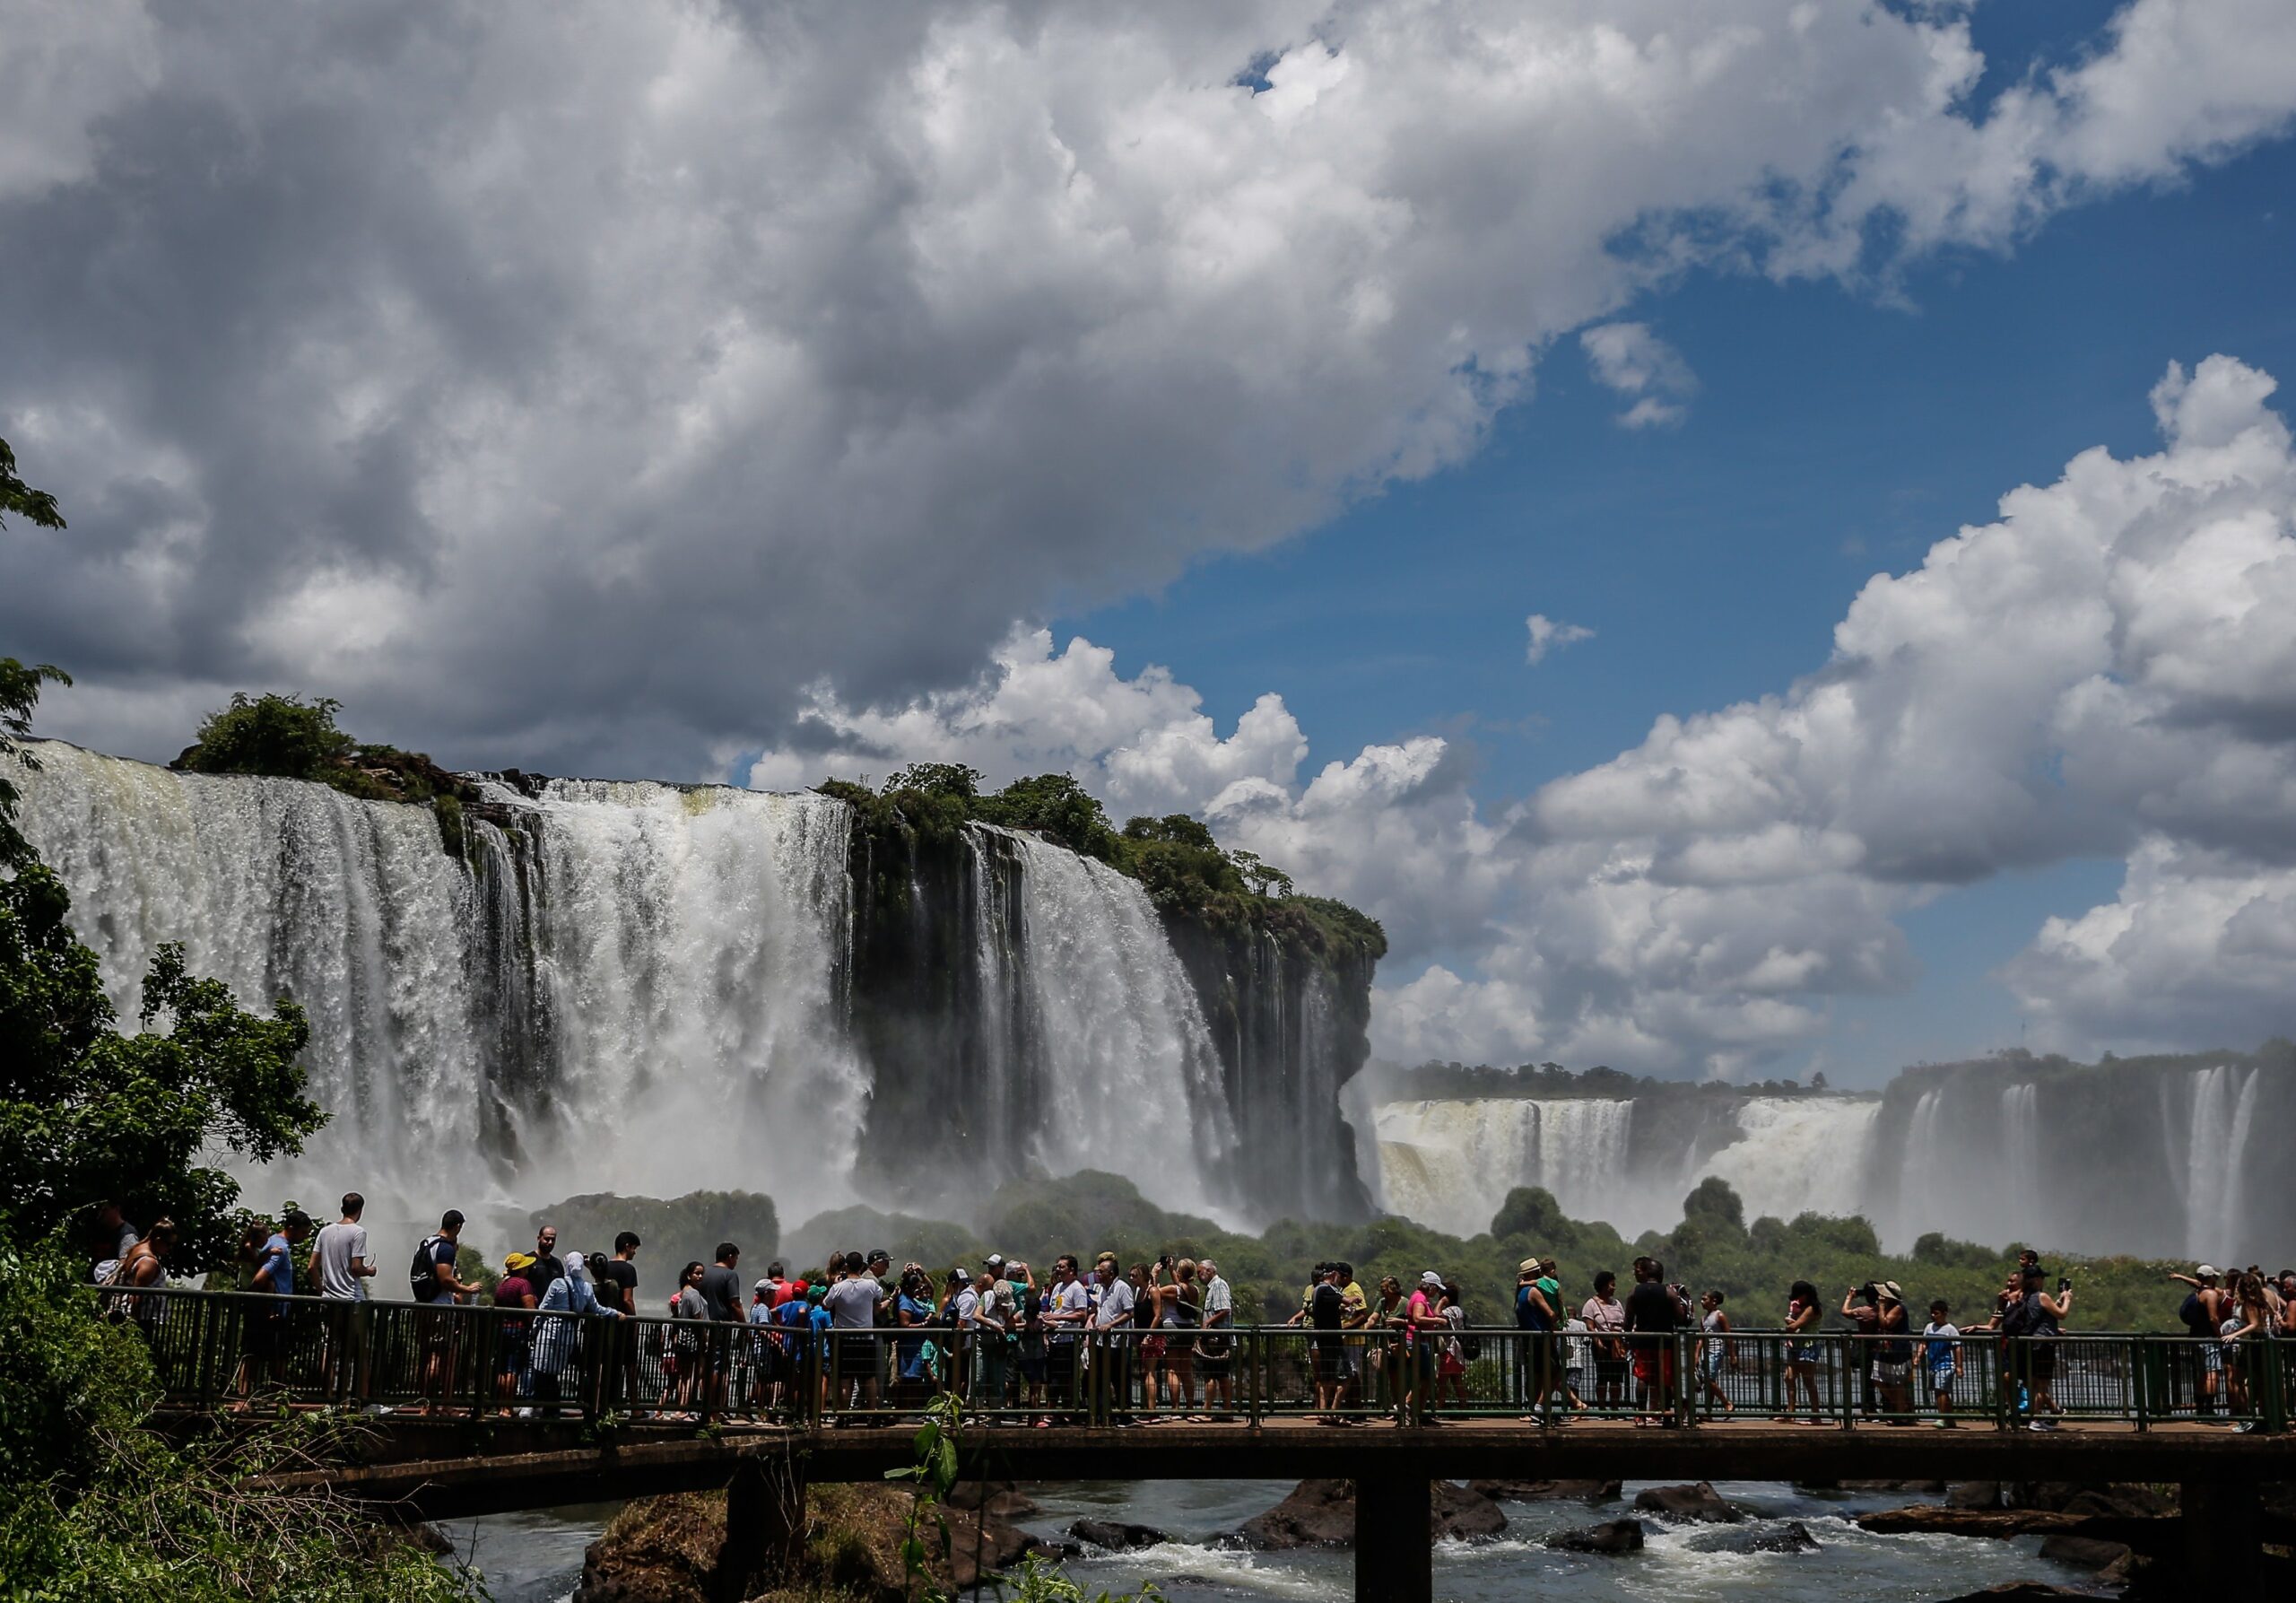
1016,1002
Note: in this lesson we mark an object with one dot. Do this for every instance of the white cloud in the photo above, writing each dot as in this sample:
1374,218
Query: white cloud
1547,635
643,367
1629,359
2105,670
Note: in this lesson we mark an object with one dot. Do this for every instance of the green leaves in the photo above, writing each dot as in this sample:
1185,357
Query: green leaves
36,507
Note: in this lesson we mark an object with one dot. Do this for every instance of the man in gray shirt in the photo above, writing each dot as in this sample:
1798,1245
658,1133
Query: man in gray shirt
340,1266
852,1304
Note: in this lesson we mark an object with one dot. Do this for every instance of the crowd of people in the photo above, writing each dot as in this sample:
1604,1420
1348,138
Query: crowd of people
1159,1340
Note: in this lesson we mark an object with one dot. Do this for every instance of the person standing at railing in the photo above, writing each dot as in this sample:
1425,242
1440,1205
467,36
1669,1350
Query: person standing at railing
1894,1354
1215,1347
1536,1318
513,1332
1606,1320
340,1266
1941,1359
2033,1323
1652,1317
721,1293
1423,1328
852,1302
276,1272
1326,1308
432,1281
2246,1336
116,1238
1067,1307
617,1280
1112,1354
569,1305
2203,1317
143,1267
1802,1316
1716,1350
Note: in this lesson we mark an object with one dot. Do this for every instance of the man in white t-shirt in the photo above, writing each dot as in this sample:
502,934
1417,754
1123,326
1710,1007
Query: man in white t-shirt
1110,1313
340,1266
1215,1347
1067,1306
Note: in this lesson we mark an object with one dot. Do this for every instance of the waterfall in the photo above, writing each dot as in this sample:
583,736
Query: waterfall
1797,1155
1449,1164
2020,1152
2217,1124
648,987
1123,1062
279,889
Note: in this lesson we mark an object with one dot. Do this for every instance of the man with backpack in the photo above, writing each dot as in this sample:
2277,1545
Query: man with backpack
431,1279
2032,1323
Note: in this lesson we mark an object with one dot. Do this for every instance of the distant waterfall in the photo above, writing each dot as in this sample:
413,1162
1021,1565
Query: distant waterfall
1797,1155
1449,1164
2020,1154
2222,1108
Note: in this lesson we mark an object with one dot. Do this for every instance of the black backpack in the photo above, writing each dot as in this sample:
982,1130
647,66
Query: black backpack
1470,1343
423,1274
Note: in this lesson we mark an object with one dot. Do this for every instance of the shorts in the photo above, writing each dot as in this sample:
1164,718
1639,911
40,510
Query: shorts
1452,1365
1802,1352
1033,1368
1610,1371
1892,1374
2212,1358
512,1355
1328,1363
1709,1366
1941,1377
264,1335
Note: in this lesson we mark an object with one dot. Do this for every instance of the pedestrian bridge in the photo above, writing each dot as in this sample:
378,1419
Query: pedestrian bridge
459,1411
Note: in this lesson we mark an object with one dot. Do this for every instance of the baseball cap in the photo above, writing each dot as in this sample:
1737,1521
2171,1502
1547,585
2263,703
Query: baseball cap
880,1257
765,1285
1430,1279
995,1260
2206,1272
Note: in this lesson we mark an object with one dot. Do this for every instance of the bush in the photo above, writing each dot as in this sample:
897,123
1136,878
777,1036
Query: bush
283,735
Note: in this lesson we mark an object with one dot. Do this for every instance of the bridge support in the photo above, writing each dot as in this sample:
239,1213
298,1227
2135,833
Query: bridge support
765,1526
2224,1537
1395,1540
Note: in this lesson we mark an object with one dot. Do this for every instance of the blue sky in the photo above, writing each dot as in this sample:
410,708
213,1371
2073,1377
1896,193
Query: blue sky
1837,432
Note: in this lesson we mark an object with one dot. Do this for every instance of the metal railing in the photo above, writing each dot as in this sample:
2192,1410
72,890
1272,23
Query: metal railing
228,1351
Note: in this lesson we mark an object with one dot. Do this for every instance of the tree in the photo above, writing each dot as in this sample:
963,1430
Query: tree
1263,879
938,779
36,507
271,734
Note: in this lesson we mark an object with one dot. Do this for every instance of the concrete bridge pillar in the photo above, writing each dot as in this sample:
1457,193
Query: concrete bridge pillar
1394,1541
765,1526
2224,1537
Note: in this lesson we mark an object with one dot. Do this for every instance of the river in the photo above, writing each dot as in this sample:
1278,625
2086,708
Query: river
537,1558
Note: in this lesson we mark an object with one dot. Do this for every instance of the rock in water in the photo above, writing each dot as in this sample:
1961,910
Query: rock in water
1780,1536
2022,1591
1321,1513
1973,1494
1116,1536
1550,1491
1701,1502
2083,1553
1612,1536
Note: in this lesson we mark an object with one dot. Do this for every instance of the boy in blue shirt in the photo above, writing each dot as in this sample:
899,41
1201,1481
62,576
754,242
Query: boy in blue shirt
1941,1358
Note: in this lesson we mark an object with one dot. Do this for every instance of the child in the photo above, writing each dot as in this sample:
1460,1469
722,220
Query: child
1714,1349
1578,1351
1941,1357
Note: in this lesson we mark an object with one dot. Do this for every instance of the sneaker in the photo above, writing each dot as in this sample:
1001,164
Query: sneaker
2042,1425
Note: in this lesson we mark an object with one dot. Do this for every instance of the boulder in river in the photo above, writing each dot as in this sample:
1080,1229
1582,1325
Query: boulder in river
1116,1536
1771,1536
1321,1513
1973,1494
1611,1536
2022,1591
1550,1491
2083,1553
1701,1504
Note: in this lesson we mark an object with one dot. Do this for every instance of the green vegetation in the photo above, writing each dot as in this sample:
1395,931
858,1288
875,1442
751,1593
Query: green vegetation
1175,858
673,1230
1446,1082
289,737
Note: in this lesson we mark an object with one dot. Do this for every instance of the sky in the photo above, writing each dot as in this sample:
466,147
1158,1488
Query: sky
1755,538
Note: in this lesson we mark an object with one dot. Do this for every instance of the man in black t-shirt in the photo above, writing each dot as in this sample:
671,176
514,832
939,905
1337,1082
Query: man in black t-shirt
1652,1317
721,1290
547,1264
618,1290
1326,1309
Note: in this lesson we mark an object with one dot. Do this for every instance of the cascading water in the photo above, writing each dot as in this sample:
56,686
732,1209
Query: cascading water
1797,1155
2221,1110
1449,1164
2020,1154
1127,1078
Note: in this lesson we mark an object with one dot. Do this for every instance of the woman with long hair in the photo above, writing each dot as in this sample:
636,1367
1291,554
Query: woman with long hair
1803,1313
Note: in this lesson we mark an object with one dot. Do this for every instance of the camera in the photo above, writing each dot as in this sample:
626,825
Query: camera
2063,1286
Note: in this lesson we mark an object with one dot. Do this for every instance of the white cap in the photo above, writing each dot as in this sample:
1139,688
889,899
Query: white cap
2206,1272
995,1260
1430,1279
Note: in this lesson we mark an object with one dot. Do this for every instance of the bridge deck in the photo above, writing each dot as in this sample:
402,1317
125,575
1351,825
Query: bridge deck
451,1468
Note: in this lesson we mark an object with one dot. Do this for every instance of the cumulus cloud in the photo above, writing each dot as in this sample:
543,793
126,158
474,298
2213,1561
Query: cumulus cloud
1629,359
577,385
1547,635
2103,670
